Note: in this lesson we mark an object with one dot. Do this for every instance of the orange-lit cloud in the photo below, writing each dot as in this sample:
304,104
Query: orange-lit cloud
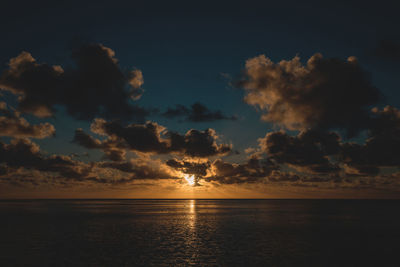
324,94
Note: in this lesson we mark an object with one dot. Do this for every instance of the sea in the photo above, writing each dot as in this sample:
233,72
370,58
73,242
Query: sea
199,232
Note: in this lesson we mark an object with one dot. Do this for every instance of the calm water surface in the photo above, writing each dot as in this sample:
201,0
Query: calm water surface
200,233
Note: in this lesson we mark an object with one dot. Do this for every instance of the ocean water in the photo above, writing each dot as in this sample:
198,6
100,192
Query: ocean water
200,233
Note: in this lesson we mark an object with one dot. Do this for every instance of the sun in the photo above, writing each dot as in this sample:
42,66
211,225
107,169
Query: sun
190,179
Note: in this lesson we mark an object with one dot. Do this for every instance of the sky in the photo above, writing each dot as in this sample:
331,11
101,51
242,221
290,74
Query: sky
223,99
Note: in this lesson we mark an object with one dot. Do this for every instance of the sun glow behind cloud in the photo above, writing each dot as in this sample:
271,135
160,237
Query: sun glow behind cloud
189,179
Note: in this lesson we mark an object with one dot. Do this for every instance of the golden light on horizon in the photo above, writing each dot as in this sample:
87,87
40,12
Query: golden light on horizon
190,179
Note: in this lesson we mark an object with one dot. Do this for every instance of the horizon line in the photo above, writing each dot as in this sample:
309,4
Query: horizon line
26,199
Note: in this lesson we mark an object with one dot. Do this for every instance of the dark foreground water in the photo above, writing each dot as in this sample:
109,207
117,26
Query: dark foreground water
200,233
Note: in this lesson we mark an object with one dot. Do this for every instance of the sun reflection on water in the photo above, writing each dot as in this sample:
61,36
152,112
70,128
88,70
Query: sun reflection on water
192,213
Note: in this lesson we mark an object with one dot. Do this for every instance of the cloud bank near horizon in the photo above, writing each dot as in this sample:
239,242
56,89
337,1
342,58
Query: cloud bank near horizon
321,107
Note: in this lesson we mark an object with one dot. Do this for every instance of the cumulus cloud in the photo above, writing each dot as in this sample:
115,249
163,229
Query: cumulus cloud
323,94
316,99
138,169
95,86
23,153
197,143
324,153
279,176
21,161
254,170
382,147
150,138
189,167
138,137
83,139
223,172
12,125
308,151
196,113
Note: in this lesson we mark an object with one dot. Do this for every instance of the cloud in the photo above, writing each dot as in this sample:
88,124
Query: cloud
12,125
254,170
95,86
189,167
315,99
23,153
323,94
382,147
150,138
222,172
138,169
113,150
324,153
23,162
196,113
83,139
197,143
138,137
278,176
196,169
307,152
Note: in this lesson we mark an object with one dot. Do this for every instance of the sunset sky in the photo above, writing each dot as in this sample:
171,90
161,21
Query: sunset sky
269,99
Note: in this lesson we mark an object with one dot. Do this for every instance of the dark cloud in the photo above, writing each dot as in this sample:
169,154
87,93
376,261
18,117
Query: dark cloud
382,147
23,153
189,167
308,151
138,137
196,169
278,176
254,170
357,160
197,143
96,86
323,94
316,98
83,139
112,149
222,172
114,154
12,125
177,111
137,169
150,138
196,113
320,152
